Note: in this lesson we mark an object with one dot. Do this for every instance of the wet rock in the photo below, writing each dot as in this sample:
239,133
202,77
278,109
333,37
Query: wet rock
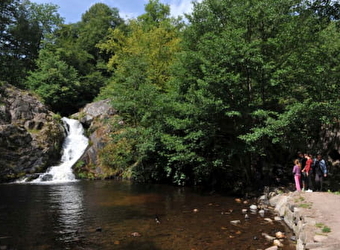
261,212
280,235
157,220
268,237
277,243
253,207
268,220
136,234
32,177
47,177
99,229
235,222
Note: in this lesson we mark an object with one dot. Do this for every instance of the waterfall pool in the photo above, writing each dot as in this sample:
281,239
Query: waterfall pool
122,215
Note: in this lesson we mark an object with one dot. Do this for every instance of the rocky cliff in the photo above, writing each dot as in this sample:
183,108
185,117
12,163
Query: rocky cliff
30,135
97,118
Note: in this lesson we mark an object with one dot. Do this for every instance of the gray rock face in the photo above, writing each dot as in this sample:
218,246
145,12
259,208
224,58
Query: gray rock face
93,117
30,136
91,111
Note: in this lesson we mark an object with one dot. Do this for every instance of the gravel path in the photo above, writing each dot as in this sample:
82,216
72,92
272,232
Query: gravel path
324,208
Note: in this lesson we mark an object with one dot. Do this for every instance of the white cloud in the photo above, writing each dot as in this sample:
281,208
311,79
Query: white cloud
179,7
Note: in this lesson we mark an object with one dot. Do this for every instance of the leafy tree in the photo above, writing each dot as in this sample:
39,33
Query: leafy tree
25,26
55,82
143,54
74,46
94,27
249,72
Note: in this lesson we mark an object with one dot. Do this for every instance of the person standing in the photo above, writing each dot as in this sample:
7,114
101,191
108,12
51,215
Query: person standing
302,159
307,173
320,171
297,174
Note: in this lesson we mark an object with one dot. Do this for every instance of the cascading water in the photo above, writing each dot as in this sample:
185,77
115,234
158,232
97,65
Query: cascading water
73,147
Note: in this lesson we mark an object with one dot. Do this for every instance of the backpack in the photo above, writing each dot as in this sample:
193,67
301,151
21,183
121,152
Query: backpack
317,168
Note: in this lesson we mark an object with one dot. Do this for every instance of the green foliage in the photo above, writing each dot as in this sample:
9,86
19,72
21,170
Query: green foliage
24,27
241,85
54,81
200,101
78,71
323,227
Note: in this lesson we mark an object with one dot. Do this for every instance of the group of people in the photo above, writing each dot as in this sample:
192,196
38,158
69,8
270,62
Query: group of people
309,173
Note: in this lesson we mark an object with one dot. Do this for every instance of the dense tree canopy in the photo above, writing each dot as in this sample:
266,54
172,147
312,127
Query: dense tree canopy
215,100
251,80
24,26
74,45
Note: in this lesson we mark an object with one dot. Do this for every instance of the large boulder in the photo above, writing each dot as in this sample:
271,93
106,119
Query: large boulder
30,135
94,116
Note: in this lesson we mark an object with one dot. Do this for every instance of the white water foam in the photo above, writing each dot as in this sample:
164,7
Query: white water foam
73,148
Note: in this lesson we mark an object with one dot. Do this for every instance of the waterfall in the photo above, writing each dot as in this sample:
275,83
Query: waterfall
73,147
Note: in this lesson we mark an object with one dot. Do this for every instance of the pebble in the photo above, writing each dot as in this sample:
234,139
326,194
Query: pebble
268,237
277,218
277,243
280,235
136,234
268,220
235,222
253,207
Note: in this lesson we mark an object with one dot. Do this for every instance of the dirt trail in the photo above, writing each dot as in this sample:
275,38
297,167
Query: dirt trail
324,209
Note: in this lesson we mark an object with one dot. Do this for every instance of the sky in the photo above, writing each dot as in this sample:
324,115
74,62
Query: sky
72,10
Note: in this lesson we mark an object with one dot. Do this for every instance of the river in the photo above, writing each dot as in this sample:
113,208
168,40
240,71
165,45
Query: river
123,215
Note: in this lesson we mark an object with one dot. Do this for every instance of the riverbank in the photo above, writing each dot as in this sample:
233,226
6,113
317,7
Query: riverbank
313,217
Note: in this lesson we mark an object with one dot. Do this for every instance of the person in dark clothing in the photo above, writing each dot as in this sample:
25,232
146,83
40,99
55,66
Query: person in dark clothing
320,171
302,159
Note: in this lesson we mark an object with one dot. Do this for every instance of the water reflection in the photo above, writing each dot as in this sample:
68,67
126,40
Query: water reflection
67,205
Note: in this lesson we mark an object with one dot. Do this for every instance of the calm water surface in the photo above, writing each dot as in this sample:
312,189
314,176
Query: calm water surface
121,215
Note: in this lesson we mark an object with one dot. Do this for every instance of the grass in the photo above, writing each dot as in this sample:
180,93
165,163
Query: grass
305,205
323,227
336,192
300,203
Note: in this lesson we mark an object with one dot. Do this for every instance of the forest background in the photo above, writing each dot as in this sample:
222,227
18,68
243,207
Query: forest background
218,98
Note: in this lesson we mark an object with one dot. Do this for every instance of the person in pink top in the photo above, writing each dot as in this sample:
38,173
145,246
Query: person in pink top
297,174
